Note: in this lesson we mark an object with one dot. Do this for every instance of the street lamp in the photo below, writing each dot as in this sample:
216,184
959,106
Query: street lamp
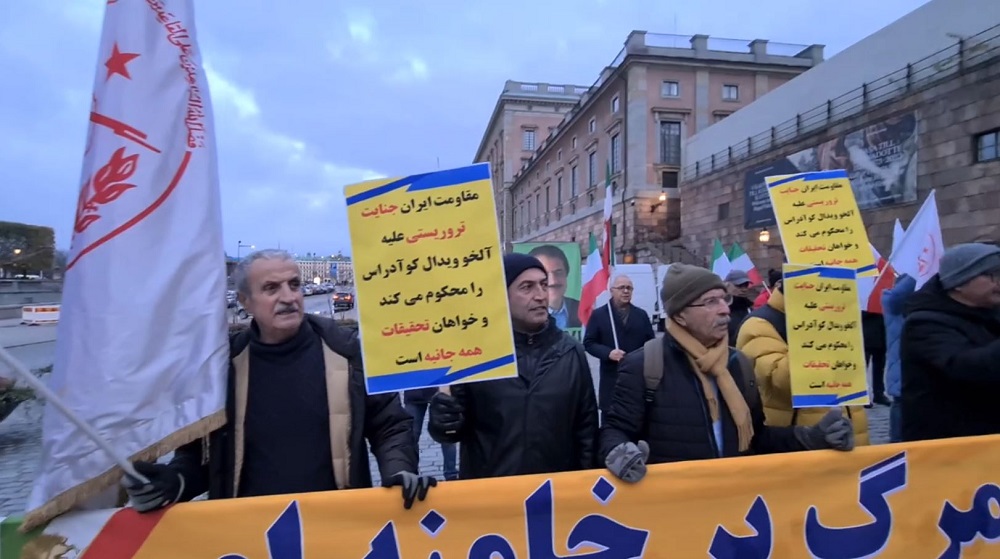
17,251
764,236
240,245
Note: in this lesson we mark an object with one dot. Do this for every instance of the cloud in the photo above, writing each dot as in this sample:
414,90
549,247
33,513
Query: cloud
415,69
361,30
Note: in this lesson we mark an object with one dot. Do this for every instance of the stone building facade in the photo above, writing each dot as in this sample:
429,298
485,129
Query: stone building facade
549,175
957,113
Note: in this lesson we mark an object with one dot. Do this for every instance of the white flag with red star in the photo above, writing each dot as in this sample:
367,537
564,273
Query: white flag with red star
141,350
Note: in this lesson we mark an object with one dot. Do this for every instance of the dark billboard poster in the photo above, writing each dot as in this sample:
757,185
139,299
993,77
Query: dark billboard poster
880,159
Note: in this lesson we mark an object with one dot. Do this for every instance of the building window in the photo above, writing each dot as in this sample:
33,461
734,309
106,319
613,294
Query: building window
548,164
592,167
528,143
670,142
668,179
593,125
548,198
574,142
538,204
559,155
730,93
559,191
616,154
530,215
572,182
988,146
615,105
724,210
720,116
670,89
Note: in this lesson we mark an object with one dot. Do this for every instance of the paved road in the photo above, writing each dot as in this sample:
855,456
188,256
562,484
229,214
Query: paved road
20,434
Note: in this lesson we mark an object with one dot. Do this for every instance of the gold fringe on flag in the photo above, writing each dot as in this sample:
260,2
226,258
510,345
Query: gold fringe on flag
65,501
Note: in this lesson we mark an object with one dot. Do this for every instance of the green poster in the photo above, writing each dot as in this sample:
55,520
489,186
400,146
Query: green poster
562,261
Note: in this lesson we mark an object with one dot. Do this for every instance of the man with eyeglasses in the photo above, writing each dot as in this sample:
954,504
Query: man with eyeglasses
950,348
613,331
689,396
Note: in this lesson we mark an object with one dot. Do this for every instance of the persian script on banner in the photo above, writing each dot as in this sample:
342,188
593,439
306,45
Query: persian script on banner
819,221
826,354
911,501
432,300
141,344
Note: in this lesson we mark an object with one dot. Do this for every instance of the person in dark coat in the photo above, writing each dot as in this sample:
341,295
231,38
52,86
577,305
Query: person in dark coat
950,348
297,415
544,420
705,403
873,333
738,286
416,403
632,328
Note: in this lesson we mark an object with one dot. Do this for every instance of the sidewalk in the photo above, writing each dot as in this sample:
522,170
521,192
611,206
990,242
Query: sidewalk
15,334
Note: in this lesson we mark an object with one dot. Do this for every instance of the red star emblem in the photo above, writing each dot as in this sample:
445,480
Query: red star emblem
116,63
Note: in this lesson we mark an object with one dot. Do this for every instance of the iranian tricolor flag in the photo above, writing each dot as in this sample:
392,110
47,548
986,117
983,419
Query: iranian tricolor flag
597,268
721,266
741,261
870,289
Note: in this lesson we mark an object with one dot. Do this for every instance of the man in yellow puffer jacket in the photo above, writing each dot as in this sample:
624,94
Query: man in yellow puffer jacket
766,347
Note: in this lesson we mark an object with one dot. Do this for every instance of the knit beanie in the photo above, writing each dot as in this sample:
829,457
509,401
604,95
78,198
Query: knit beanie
961,264
684,283
515,264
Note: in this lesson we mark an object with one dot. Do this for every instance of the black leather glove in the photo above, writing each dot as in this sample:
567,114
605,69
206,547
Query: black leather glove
447,416
414,486
164,488
833,431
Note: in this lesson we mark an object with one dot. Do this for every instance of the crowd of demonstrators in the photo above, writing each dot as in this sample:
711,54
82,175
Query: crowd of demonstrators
614,331
690,396
299,418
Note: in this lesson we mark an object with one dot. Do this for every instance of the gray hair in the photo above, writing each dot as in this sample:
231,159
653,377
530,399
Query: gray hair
241,276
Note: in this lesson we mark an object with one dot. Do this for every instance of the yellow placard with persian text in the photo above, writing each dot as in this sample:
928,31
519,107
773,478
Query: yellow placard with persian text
820,222
428,267
826,354
934,499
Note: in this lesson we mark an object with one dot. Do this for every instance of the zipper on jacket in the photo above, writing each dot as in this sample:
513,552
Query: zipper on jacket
708,417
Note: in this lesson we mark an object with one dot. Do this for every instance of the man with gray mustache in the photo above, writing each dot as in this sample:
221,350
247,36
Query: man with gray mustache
690,396
297,412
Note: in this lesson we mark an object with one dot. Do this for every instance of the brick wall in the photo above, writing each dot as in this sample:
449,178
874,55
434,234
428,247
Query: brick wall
949,115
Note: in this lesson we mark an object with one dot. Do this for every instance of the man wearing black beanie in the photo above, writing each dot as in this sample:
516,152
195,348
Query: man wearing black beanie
542,421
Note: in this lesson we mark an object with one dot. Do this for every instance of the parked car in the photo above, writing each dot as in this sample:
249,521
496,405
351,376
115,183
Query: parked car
342,301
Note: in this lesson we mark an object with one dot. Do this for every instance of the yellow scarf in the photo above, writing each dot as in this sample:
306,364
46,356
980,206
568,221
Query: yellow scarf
711,363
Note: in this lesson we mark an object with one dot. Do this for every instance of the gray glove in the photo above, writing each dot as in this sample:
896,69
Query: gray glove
628,461
414,487
165,487
833,431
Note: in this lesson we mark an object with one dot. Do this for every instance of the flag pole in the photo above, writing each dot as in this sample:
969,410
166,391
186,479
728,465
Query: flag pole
41,388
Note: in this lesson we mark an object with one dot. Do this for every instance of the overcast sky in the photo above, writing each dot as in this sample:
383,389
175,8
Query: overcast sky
310,95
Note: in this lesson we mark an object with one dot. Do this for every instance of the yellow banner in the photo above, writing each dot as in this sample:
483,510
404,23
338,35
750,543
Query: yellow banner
819,221
936,499
826,354
432,300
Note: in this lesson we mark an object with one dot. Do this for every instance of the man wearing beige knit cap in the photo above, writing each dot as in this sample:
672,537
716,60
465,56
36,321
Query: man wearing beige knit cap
691,396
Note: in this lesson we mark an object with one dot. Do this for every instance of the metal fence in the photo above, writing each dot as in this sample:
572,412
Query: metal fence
944,64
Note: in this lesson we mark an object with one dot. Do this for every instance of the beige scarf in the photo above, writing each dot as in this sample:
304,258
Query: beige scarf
711,363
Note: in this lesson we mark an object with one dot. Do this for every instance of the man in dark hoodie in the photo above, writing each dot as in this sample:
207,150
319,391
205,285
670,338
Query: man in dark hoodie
950,348
542,421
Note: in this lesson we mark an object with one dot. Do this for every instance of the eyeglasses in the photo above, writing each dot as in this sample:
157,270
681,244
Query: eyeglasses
623,288
714,302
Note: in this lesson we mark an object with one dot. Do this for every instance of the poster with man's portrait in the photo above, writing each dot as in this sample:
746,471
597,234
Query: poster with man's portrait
562,262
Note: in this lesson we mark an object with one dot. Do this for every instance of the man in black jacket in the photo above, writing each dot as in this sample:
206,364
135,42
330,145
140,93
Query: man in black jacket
542,421
297,414
611,341
696,397
950,348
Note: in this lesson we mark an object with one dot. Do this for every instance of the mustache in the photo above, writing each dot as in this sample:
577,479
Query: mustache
285,308
724,321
